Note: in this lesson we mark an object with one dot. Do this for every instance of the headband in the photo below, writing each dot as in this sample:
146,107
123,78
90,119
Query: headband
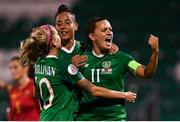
47,31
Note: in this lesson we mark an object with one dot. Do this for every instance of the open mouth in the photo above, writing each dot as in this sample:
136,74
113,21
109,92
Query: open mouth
108,39
108,42
64,32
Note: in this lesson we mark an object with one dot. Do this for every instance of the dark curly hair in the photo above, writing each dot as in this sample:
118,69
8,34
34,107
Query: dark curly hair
64,8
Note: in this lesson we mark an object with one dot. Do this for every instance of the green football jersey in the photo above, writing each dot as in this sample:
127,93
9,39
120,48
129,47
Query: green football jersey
107,71
57,99
64,59
65,56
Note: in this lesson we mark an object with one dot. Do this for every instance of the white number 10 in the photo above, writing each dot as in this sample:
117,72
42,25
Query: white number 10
51,97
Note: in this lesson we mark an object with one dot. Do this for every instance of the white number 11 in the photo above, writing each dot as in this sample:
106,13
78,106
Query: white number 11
92,75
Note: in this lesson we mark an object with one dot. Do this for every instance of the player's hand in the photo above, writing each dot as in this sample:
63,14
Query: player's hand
153,42
79,60
130,96
2,84
114,49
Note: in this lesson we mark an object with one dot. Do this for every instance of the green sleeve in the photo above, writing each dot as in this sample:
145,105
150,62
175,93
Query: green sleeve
74,75
75,78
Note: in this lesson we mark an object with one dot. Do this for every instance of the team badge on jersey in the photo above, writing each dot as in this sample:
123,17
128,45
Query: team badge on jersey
106,67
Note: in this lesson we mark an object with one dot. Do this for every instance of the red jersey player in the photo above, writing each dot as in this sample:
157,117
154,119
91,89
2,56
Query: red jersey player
23,105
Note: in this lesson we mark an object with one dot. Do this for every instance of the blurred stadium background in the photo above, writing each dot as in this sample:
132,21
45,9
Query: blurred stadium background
132,22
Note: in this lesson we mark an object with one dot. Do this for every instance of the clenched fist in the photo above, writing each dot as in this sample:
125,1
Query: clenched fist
153,42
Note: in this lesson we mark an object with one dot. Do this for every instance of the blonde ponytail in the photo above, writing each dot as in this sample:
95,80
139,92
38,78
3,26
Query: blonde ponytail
33,47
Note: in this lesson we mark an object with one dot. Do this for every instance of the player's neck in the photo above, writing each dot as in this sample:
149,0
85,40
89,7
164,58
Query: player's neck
53,51
23,81
96,50
70,44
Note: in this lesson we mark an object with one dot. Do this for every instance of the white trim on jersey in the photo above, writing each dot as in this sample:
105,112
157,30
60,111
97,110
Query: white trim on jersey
51,56
99,56
71,50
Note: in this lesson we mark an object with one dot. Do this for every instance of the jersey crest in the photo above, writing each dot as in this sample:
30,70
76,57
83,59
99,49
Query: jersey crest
106,67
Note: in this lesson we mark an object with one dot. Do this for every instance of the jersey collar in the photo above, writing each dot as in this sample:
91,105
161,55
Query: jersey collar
99,56
51,56
71,50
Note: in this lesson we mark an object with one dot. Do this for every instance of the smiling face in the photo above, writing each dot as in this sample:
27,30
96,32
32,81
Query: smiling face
102,36
66,27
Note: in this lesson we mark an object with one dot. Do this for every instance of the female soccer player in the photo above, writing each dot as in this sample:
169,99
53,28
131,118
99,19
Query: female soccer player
23,105
57,99
66,26
108,71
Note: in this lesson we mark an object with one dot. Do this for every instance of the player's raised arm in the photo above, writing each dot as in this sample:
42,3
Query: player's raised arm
148,71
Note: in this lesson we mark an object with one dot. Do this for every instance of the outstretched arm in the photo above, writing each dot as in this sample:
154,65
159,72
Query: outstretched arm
104,92
148,71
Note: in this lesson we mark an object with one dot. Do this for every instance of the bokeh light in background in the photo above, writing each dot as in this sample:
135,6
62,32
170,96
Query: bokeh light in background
132,22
